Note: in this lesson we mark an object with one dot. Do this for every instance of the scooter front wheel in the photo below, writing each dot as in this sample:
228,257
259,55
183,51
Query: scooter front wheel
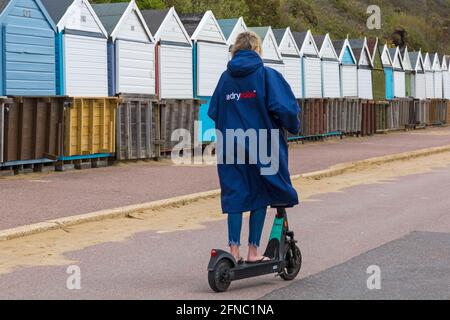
219,278
293,263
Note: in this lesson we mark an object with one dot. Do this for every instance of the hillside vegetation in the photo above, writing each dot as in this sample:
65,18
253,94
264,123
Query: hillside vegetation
417,23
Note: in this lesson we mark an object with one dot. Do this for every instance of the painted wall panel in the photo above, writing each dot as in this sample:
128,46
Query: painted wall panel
212,61
308,46
365,84
85,60
210,32
175,72
399,84
429,82
331,79
347,57
269,49
132,29
174,32
349,81
420,85
29,68
288,46
446,81
312,77
80,18
293,75
135,67
389,73
438,90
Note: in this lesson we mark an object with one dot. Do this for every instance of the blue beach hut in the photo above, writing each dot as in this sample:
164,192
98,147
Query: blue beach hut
388,71
27,53
210,58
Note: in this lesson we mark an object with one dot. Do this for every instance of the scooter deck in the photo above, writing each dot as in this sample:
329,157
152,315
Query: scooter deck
248,270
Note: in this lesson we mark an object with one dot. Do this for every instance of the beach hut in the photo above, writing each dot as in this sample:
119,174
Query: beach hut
409,69
131,58
399,73
378,76
210,51
174,65
446,76
348,69
271,55
311,64
418,82
210,56
429,76
437,72
362,55
27,65
388,71
82,66
291,59
331,83
231,28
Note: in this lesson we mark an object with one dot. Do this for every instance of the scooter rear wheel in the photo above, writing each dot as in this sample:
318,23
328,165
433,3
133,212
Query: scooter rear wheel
294,263
218,278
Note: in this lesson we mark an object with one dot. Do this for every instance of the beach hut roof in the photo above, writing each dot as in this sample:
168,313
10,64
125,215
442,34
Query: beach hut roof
57,8
300,37
228,25
319,40
279,34
359,47
372,44
191,21
59,12
261,31
113,14
110,13
4,4
154,18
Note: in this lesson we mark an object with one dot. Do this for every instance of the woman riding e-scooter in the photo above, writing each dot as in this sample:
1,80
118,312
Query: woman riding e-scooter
252,98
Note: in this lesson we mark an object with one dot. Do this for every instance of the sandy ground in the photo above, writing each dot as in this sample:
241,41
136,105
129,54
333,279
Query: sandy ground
49,248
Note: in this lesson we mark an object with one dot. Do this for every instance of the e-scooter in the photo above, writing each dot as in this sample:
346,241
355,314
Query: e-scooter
285,259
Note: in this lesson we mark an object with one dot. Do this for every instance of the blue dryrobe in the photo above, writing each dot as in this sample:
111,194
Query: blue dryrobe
251,96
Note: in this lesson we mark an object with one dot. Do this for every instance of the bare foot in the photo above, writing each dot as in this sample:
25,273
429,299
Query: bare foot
234,250
253,255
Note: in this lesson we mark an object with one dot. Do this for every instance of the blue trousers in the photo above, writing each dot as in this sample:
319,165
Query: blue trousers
257,218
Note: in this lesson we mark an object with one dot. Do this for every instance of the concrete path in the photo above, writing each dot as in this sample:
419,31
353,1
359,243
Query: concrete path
332,229
39,197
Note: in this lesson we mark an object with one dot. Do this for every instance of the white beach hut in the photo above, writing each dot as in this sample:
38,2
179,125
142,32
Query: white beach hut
311,64
418,87
437,73
291,58
348,69
131,49
174,78
429,76
446,76
365,66
81,48
399,73
331,84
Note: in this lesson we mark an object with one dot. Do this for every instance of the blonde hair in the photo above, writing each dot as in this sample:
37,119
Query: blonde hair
247,41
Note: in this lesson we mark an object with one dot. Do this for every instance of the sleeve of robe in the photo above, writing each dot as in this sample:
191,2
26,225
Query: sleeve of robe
281,101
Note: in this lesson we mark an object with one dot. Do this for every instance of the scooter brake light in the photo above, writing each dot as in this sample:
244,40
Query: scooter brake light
213,253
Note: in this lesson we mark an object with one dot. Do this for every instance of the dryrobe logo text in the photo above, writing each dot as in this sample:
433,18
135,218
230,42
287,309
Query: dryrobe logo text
242,95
